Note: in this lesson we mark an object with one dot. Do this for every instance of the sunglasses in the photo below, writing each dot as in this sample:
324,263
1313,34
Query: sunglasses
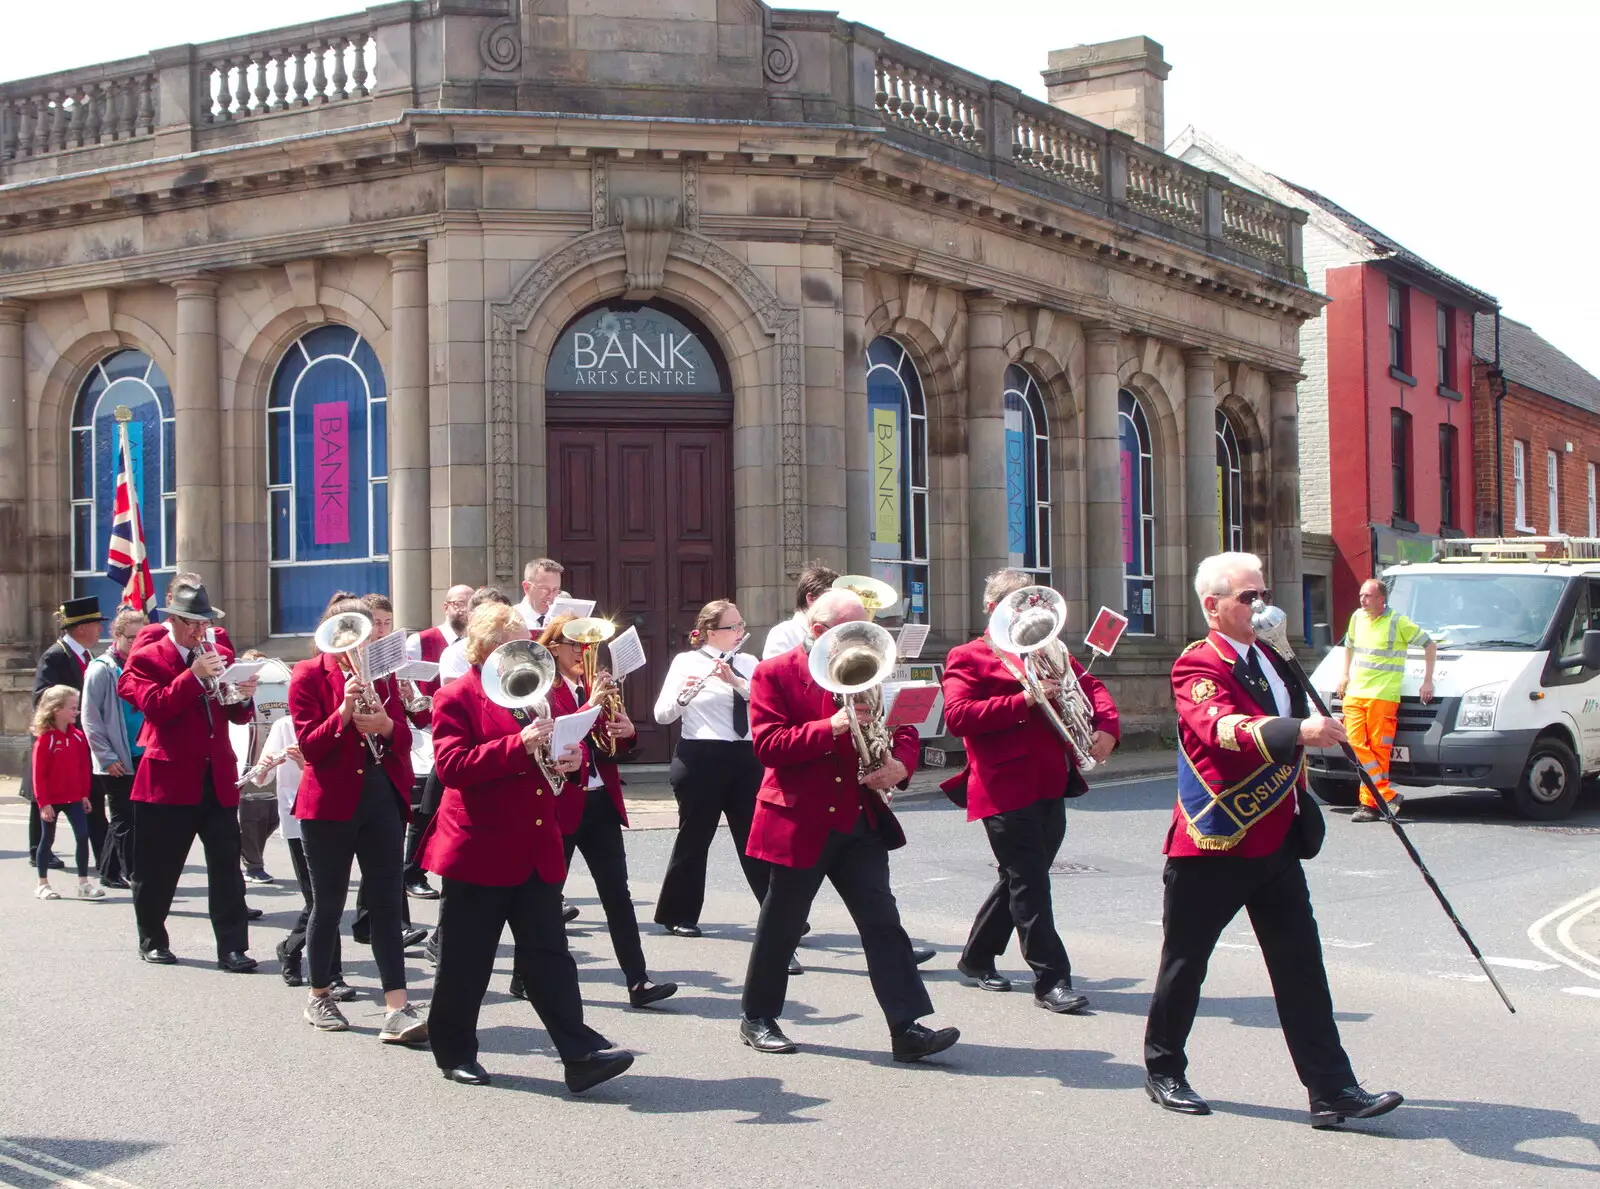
1246,597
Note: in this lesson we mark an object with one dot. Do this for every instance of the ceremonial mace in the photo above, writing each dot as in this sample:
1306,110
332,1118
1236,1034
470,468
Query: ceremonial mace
1272,626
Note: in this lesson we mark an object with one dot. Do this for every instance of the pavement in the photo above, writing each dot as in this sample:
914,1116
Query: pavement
119,1074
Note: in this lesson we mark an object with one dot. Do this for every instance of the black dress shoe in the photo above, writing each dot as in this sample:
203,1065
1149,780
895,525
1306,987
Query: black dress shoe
764,1036
589,1072
517,989
569,913
361,938
988,979
422,890
1174,1094
916,1041
430,948
289,966
411,937
648,992
683,930
56,863
253,914
794,965
920,955
469,1073
1352,1103
236,962
340,991
1062,998
158,956
115,881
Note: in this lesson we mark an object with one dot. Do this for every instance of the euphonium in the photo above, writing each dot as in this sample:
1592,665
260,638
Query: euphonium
876,596
851,661
345,636
589,634
518,675
1027,625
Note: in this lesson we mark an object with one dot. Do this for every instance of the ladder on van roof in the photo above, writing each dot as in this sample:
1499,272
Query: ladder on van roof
1513,549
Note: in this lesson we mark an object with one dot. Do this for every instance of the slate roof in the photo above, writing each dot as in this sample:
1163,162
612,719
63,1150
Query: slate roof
1529,360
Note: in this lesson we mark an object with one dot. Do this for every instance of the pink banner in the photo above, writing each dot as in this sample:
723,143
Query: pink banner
330,446
1127,508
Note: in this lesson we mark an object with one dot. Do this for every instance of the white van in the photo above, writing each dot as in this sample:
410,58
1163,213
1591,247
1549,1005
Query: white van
1516,686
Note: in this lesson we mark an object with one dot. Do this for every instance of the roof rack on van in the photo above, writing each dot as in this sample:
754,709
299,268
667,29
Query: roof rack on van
1512,549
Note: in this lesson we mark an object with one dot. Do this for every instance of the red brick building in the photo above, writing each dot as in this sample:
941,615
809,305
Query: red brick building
1549,435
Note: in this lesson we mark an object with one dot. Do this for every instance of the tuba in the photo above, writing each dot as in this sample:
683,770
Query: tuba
518,675
1027,624
345,636
875,596
851,661
589,634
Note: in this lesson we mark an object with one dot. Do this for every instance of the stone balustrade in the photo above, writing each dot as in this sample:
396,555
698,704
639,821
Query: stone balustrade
929,105
1050,143
1255,226
261,79
78,109
1165,189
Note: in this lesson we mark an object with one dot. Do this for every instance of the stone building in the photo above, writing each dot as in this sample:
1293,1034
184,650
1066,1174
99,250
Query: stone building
683,292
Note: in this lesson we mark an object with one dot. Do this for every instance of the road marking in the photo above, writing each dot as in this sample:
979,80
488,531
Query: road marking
1234,945
1365,874
1459,976
1591,992
1521,964
1568,914
53,1170
1345,945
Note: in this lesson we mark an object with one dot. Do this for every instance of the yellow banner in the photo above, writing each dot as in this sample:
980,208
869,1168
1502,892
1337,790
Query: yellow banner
886,475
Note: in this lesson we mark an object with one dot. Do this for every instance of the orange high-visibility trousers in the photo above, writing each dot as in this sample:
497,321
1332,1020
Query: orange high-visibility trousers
1371,723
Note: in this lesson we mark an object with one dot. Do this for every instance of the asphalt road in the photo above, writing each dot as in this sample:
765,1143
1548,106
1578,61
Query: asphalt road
117,1073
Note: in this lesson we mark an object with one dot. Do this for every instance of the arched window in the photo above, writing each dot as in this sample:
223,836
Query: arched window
132,379
1027,476
897,424
1230,487
327,477
1138,514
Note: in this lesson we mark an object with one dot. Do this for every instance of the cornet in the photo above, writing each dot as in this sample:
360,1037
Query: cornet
1027,625
589,634
223,693
345,636
851,661
518,676
413,699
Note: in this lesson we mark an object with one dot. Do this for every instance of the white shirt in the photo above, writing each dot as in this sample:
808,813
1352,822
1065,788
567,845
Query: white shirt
78,650
414,641
422,737
595,779
1280,692
710,714
534,619
453,661
279,739
788,634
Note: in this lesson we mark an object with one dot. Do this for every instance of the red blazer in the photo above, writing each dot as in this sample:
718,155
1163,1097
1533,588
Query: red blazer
562,702
1014,756
61,767
151,632
336,754
810,786
430,641
180,740
496,823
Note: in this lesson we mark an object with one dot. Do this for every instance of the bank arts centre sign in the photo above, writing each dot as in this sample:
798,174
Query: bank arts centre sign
631,349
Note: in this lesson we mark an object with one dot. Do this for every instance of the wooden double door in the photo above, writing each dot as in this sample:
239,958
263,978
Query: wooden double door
641,517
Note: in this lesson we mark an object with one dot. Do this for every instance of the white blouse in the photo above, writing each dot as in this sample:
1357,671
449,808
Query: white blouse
710,715
279,740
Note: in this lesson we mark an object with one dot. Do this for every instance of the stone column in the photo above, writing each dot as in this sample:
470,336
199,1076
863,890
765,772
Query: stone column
410,530
16,613
857,442
986,446
1285,563
1199,470
196,405
1103,470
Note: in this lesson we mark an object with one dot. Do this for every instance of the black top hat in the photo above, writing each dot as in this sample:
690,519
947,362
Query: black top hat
190,602
84,610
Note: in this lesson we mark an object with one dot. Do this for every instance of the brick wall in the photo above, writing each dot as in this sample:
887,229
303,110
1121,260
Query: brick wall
1544,424
1322,252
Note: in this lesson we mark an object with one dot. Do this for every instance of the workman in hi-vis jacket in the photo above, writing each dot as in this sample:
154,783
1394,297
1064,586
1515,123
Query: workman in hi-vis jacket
1374,666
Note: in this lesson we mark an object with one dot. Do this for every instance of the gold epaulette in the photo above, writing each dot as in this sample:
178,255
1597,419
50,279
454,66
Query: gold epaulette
1188,648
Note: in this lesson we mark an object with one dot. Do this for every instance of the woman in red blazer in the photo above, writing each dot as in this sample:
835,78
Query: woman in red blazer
353,806
495,843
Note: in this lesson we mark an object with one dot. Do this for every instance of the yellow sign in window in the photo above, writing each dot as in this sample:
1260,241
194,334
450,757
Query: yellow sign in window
886,475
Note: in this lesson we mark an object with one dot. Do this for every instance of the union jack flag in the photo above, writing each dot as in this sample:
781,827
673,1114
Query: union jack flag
126,563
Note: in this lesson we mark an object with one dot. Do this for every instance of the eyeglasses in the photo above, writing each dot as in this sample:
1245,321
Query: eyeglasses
728,627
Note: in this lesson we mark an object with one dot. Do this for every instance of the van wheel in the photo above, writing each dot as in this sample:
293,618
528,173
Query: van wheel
1336,792
1550,782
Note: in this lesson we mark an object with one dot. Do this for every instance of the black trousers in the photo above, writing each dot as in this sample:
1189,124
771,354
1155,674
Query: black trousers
162,836
857,864
471,919
1203,894
294,942
710,781
98,824
374,836
425,795
258,818
116,856
599,839
1025,842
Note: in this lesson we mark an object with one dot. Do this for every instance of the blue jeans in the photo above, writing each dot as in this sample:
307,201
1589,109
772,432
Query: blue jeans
47,837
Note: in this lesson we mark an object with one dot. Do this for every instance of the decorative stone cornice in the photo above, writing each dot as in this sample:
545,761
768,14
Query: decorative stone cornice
200,284
647,225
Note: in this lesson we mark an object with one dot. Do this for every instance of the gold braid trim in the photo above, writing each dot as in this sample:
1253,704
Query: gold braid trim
1228,726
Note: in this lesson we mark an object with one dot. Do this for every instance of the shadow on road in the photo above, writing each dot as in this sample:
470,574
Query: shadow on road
1077,1069
93,1155
762,1100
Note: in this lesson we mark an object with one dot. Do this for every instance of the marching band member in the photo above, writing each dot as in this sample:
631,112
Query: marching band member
814,820
496,845
593,814
817,577
351,805
185,786
714,770
541,584
1239,831
1018,773
429,645
453,660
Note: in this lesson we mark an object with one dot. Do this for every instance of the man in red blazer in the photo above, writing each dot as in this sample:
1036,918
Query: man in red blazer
1018,773
186,784
815,820
1238,834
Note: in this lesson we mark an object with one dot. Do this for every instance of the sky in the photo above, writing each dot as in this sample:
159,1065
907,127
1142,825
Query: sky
1454,126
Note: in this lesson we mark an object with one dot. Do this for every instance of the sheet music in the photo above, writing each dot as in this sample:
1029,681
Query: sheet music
384,656
577,608
913,699
627,653
572,728
912,637
418,670
241,671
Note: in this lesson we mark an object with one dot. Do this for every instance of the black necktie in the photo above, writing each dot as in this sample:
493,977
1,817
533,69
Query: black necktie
1258,678
741,715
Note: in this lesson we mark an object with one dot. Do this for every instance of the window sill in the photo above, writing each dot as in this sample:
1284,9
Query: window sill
1525,528
1449,393
1404,526
1449,533
1397,374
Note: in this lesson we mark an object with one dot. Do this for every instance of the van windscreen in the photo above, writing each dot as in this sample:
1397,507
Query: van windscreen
1479,610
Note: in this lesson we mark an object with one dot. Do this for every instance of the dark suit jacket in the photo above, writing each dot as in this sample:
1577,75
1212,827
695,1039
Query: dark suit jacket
57,666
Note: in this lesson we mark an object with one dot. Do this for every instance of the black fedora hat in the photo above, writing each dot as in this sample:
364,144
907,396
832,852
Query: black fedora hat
190,602
84,610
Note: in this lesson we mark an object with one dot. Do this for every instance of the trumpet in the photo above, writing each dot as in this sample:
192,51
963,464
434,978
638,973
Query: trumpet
875,596
1027,625
413,699
518,676
345,636
223,693
851,661
588,634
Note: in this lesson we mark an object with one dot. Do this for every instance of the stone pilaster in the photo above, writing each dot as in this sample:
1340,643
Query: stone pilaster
1284,564
1199,470
986,445
16,612
1103,469
410,531
197,410
857,442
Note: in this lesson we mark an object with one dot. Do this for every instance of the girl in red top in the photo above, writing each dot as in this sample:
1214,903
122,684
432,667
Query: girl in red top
61,784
